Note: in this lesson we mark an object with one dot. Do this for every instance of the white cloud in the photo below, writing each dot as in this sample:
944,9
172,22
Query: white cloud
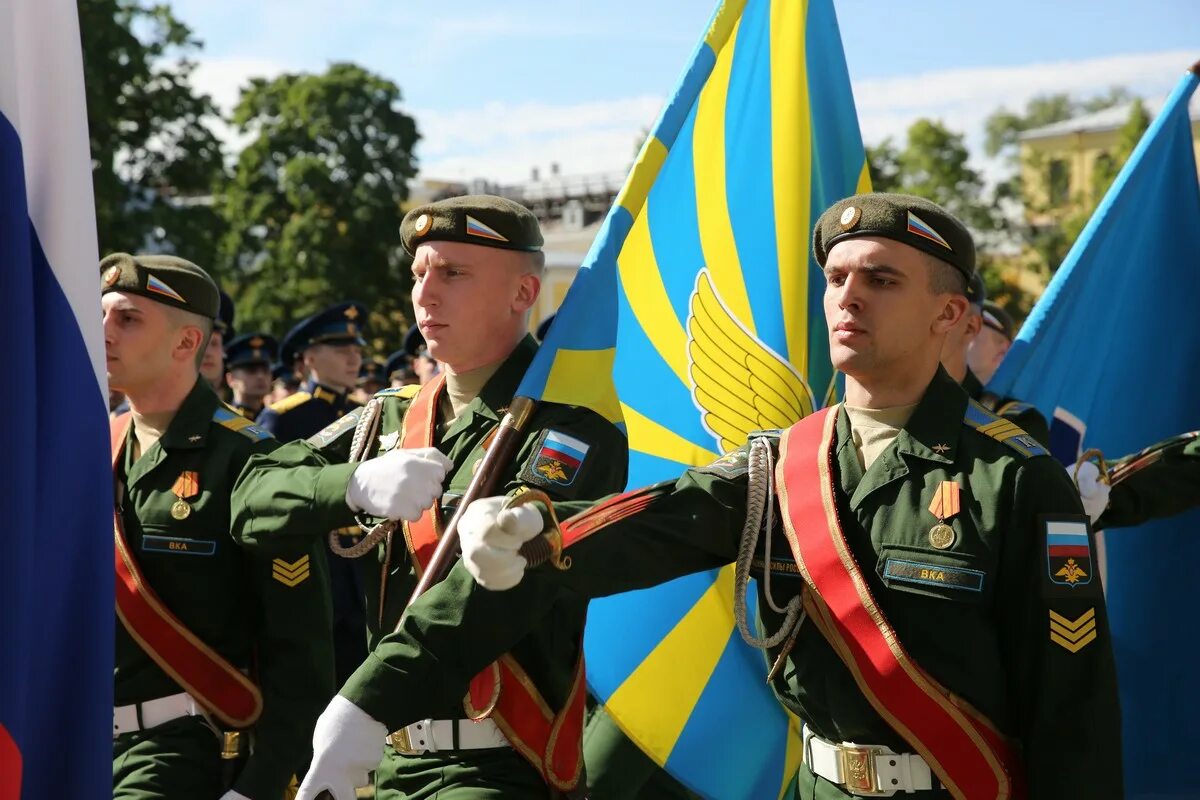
504,141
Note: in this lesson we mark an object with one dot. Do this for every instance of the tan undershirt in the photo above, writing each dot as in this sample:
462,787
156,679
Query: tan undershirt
873,429
148,429
461,389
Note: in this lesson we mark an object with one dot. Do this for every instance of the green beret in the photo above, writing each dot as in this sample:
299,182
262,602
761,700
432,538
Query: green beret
999,320
976,290
914,221
482,219
165,279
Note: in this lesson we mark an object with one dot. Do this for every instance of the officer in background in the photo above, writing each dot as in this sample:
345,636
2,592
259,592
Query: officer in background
222,656
935,616
399,370
988,348
212,367
328,349
284,380
372,376
956,357
248,360
424,366
477,271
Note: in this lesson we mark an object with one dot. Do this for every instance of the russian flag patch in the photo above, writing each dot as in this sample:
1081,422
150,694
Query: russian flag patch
157,286
556,460
477,228
921,228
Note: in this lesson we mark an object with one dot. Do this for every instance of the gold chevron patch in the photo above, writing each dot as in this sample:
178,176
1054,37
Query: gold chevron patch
1073,635
290,574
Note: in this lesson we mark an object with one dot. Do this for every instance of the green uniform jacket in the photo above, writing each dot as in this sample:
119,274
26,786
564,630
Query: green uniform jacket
1163,489
982,629
251,605
310,490
1026,417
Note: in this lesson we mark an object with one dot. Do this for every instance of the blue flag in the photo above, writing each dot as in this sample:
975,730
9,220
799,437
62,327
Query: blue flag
56,551
1111,353
695,320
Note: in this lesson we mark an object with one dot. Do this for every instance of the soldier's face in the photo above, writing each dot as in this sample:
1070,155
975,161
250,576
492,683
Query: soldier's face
138,341
471,301
212,366
881,310
986,352
334,364
252,381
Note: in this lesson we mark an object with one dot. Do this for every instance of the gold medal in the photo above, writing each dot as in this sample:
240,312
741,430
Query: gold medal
941,536
180,509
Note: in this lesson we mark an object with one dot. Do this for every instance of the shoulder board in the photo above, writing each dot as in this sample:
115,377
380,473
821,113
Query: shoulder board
289,402
226,417
403,392
1002,430
1014,407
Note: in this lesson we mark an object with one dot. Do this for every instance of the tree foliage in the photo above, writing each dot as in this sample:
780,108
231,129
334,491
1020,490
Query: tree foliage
153,150
313,207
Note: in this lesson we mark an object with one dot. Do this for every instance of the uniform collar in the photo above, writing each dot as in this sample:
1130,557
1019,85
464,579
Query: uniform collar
325,393
971,385
498,392
934,429
931,434
189,428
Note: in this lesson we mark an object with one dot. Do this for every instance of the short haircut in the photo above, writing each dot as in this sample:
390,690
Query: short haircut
182,319
537,262
945,278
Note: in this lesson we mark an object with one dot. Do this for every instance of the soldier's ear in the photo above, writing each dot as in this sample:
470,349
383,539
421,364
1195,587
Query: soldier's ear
953,309
528,289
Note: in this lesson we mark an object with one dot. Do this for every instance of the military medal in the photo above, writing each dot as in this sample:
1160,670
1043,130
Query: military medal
187,486
944,506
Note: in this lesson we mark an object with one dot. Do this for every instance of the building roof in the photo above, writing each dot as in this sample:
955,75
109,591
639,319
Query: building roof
1110,119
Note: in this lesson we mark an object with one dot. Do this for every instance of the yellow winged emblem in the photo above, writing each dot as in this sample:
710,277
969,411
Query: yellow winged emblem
738,383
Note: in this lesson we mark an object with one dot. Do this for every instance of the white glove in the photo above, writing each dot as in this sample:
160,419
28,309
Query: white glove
400,484
347,745
491,540
1092,491
232,795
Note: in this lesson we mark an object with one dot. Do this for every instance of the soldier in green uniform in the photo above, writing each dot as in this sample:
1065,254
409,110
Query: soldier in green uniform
328,345
212,365
957,355
477,271
221,662
1168,486
248,361
941,620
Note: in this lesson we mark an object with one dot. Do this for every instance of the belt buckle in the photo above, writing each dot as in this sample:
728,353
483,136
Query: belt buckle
858,770
401,744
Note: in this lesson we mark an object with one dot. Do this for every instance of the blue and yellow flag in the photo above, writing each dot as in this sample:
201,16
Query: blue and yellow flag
1110,354
695,320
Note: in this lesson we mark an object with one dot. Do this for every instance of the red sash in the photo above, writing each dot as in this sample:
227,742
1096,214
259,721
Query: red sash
202,672
503,692
970,757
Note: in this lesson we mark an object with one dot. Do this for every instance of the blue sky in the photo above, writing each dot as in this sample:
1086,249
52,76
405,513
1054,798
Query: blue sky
500,88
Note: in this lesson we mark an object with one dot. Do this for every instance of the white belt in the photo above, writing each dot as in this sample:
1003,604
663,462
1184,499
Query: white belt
153,713
436,735
866,770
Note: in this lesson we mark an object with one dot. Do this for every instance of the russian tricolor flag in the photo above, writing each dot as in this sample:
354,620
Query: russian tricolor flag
56,551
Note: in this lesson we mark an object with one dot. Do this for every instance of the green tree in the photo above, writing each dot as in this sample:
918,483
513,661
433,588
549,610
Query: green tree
883,163
153,151
314,205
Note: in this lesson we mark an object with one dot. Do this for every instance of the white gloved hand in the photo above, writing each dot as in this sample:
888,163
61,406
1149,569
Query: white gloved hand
232,795
400,484
347,745
491,539
1092,491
